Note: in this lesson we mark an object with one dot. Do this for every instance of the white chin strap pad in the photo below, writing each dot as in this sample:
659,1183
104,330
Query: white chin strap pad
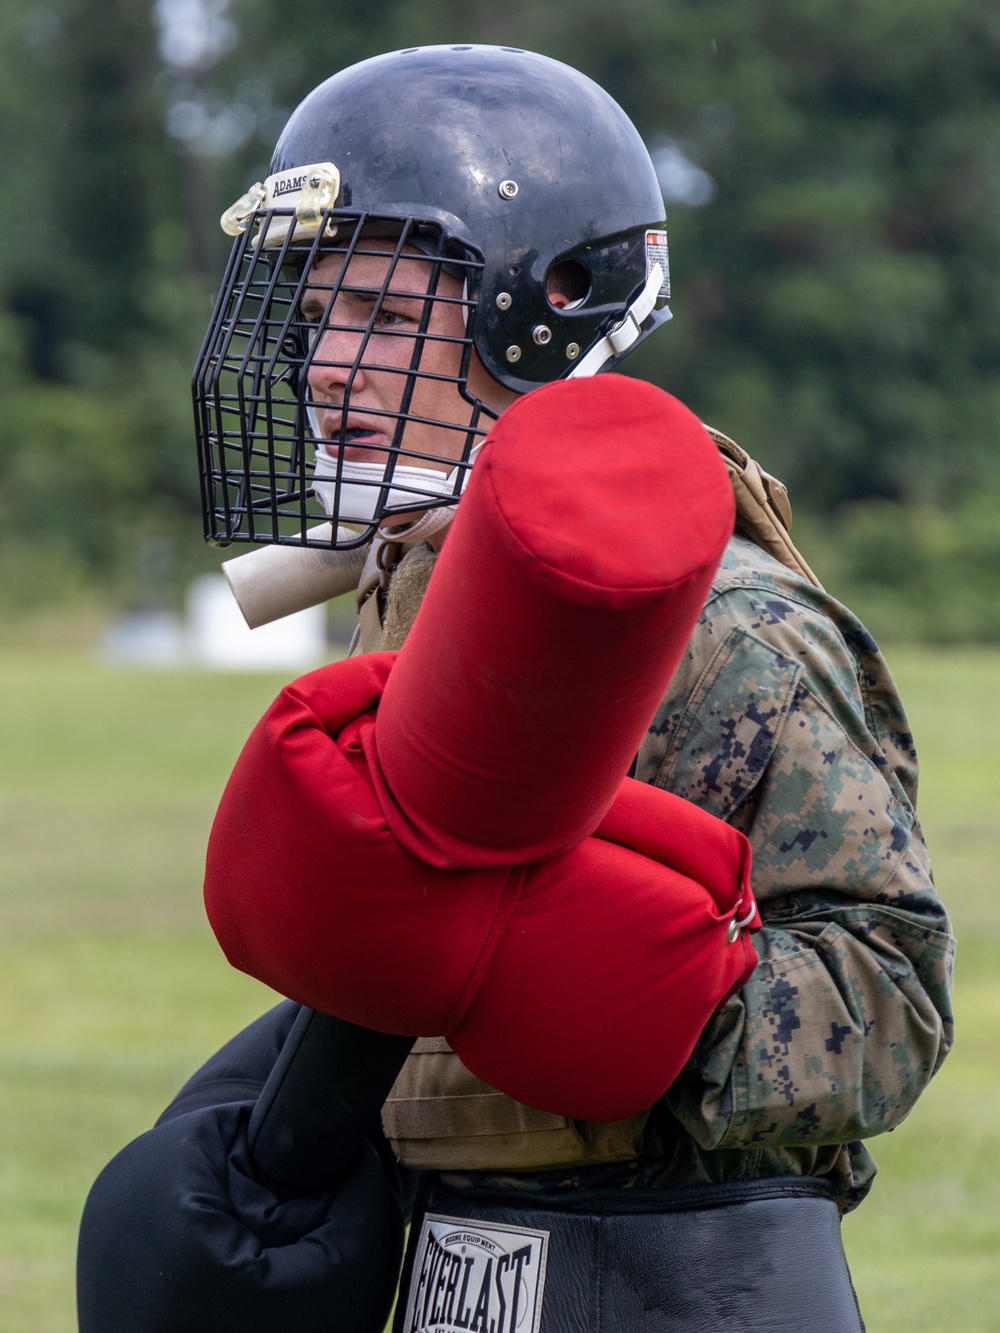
361,484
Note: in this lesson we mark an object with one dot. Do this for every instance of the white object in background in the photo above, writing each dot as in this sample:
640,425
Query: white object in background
218,636
144,638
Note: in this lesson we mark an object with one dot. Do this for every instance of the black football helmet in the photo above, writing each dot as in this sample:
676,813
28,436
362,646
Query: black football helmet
442,227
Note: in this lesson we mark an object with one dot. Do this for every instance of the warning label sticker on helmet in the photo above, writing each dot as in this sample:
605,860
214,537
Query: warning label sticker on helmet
469,1277
656,253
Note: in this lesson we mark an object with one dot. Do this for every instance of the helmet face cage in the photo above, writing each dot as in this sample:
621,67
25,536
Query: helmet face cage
276,385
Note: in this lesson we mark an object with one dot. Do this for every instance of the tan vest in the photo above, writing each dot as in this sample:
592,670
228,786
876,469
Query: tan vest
439,1115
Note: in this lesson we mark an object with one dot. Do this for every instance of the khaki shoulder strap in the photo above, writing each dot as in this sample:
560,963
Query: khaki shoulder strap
763,511
392,586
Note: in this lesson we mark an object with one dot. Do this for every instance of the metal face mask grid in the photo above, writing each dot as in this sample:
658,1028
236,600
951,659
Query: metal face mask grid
252,391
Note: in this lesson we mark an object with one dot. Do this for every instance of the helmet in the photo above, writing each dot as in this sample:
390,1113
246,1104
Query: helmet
445,225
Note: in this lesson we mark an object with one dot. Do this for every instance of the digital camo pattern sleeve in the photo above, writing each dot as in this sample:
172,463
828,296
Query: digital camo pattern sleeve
784,720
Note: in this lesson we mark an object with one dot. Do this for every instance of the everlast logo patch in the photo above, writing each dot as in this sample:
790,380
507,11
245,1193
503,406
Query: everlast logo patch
472,1278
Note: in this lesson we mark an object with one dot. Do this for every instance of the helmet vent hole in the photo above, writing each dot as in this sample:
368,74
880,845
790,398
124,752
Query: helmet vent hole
567,284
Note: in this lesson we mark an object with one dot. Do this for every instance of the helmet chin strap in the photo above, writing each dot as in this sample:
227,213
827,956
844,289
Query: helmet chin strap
426,525
625,333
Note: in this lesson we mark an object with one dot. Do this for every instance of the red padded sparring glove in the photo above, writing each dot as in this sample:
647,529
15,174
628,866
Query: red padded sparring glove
440,841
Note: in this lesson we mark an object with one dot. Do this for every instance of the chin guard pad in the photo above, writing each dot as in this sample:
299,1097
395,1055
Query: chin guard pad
440,841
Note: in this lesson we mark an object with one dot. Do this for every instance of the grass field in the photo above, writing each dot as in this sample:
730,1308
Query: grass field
112,989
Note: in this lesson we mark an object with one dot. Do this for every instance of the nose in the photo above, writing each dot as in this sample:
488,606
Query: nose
336,353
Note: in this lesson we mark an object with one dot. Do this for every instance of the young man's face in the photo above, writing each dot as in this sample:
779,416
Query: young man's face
435,435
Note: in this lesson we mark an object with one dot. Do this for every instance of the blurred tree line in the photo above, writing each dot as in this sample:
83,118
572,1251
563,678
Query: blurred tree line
832,176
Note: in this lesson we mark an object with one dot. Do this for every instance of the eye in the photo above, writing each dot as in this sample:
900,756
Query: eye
390,319
311,309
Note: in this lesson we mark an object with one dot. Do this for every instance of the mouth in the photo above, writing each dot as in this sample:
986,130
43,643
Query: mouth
362,444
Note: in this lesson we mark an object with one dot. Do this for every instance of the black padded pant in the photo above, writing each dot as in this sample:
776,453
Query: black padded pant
752,1257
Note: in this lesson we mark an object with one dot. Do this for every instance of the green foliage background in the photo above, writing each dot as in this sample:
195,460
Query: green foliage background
836,301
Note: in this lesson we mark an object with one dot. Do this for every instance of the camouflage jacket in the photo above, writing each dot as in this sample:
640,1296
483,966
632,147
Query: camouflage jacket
783,719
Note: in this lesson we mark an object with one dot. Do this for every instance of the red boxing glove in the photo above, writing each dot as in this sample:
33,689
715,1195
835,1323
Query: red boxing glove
409,841
572,576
